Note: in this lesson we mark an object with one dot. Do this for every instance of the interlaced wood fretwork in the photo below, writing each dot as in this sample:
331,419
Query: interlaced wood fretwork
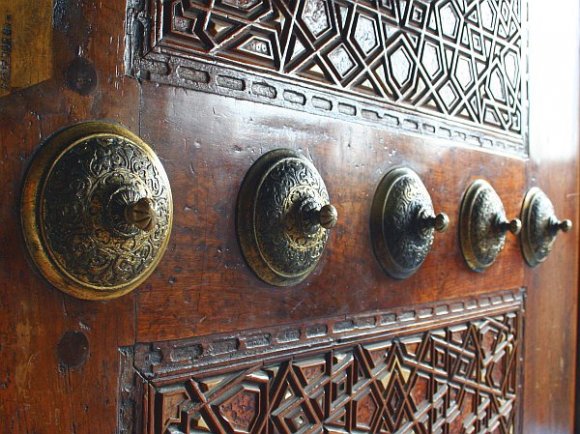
459,377
455,60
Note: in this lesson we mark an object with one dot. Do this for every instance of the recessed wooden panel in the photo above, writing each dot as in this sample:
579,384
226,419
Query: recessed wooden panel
59,369
204,286
451,367
370,60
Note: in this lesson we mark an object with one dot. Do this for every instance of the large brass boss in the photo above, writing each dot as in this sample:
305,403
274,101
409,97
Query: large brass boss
96,210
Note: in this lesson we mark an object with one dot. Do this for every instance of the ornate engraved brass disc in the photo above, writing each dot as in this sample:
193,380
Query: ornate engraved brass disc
96,210
540,226
403,223
282,217
483,225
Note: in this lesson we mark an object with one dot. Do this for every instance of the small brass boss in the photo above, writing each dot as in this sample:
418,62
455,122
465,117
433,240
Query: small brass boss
283,217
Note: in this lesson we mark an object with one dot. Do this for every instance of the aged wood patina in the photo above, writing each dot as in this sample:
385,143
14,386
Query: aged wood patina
454,91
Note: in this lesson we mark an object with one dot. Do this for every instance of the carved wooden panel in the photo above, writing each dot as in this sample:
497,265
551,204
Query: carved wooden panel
445,368
383,61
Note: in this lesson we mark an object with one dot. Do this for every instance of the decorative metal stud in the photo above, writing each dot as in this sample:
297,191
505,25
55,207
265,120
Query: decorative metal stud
283,217
96,210
403,223
540,226
483,225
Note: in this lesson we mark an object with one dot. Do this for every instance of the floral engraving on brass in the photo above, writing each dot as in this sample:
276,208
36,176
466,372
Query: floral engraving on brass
483,225
540,227
403,223
283,217
96,210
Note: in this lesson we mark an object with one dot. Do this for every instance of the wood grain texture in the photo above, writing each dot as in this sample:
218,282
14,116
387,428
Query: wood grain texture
42,389
204,275
25,44
54,380
553,286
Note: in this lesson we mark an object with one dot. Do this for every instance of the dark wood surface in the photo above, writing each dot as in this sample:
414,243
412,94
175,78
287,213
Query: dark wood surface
38,393
553,293
51,382
203,267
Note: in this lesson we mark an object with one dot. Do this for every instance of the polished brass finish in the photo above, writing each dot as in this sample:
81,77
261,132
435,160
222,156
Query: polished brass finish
540,227
483,225
141,214
439,222
328,216
283,217
96,210
403,223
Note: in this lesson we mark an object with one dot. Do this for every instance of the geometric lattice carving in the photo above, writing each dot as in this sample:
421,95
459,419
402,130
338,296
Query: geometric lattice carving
451,58
458,379
459,374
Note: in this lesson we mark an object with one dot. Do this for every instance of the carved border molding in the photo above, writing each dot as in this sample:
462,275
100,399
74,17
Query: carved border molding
465,347
475,97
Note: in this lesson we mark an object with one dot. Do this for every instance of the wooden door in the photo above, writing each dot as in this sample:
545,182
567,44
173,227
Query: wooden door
455,90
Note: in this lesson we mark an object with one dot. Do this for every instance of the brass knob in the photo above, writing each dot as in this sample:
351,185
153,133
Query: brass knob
312,216
141,214
556,225
328,216
429,220
514,226
541,226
